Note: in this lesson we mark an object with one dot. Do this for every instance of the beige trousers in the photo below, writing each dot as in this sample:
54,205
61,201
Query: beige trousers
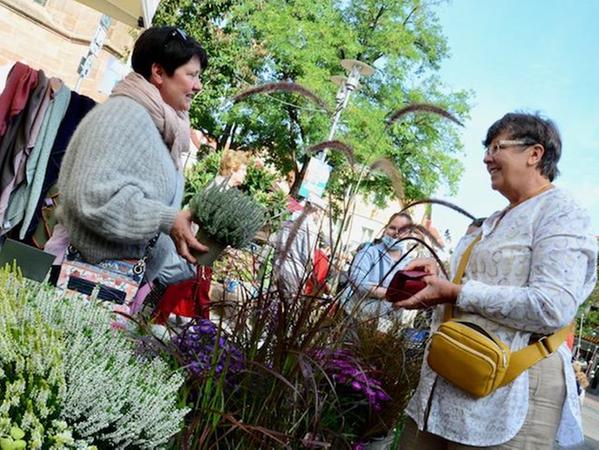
547,393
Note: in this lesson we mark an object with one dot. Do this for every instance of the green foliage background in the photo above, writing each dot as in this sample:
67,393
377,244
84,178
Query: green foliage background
251,42
590,313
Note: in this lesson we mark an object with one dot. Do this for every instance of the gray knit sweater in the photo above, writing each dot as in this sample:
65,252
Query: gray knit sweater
116,182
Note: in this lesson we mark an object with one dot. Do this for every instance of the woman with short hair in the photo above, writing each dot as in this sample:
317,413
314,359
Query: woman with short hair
534,264
121,182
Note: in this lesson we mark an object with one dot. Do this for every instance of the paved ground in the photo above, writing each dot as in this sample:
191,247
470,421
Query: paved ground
590,422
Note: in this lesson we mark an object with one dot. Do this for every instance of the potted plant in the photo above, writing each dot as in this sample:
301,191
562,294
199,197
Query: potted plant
226,217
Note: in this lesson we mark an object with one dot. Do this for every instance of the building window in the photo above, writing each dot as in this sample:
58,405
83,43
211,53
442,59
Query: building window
40,2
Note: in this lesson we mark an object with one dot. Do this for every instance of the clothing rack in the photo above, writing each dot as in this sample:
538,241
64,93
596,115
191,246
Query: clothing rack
38,116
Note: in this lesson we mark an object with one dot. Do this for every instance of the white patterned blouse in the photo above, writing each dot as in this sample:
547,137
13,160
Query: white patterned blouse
528,274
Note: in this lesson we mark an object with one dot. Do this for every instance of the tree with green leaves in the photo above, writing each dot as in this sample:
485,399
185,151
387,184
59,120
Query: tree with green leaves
589,312
251,42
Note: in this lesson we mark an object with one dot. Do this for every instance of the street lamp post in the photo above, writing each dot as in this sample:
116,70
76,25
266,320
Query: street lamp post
356,70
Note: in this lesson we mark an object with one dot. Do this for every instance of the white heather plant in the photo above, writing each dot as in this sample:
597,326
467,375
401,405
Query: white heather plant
96,387
227,215
32,375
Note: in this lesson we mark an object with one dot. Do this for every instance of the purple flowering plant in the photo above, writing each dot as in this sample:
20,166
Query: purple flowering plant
360,396
345,370
206,351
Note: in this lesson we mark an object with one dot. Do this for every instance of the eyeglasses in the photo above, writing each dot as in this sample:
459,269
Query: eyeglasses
396,230
175,34
503,144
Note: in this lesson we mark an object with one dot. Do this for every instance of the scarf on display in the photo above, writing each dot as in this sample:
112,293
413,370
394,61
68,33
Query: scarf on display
172,125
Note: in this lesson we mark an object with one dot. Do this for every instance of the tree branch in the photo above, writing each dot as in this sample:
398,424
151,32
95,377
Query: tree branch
407,19
377,18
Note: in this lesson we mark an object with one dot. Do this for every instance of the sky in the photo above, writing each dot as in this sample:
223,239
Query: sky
531,55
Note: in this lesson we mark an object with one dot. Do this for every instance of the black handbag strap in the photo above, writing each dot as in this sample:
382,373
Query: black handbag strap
381,268
72,252
140,266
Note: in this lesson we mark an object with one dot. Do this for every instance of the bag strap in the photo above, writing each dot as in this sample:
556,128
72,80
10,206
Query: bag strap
529,355
457,279
140,265
532,354
380,264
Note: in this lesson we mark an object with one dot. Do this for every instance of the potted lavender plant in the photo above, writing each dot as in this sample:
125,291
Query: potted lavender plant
226,217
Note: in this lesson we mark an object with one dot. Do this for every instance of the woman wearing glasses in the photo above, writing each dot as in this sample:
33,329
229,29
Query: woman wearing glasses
121,181
533,266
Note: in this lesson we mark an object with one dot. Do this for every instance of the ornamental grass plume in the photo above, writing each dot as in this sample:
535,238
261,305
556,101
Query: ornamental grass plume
421,108
338,146
281,86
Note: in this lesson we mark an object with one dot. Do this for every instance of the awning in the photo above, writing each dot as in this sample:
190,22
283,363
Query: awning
130,12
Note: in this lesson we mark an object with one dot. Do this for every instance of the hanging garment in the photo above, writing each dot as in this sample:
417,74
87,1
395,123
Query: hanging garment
15,143
36,166
79,106
54,86
60,104
21,80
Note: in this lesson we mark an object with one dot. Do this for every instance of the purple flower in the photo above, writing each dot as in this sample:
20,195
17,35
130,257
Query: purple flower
382,396
203,352
205,326
345,370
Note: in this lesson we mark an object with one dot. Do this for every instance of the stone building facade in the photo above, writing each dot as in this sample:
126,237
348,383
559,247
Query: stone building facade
53,35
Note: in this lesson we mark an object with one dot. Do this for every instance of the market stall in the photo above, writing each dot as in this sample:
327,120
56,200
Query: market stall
137,13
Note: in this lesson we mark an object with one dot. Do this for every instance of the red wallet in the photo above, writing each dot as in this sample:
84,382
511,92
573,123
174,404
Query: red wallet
404,284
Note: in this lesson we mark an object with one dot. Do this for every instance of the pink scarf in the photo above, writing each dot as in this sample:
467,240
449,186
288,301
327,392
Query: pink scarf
173,125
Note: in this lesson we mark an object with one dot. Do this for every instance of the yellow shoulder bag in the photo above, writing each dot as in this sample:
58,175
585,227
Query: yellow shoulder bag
474,360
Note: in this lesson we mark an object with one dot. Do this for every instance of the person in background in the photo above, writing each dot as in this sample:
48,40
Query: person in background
233,169
295,245
121,181
526,277
373,268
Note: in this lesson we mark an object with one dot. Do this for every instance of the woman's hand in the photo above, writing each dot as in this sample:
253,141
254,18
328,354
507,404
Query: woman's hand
428,265
183,237
378,292
436,292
